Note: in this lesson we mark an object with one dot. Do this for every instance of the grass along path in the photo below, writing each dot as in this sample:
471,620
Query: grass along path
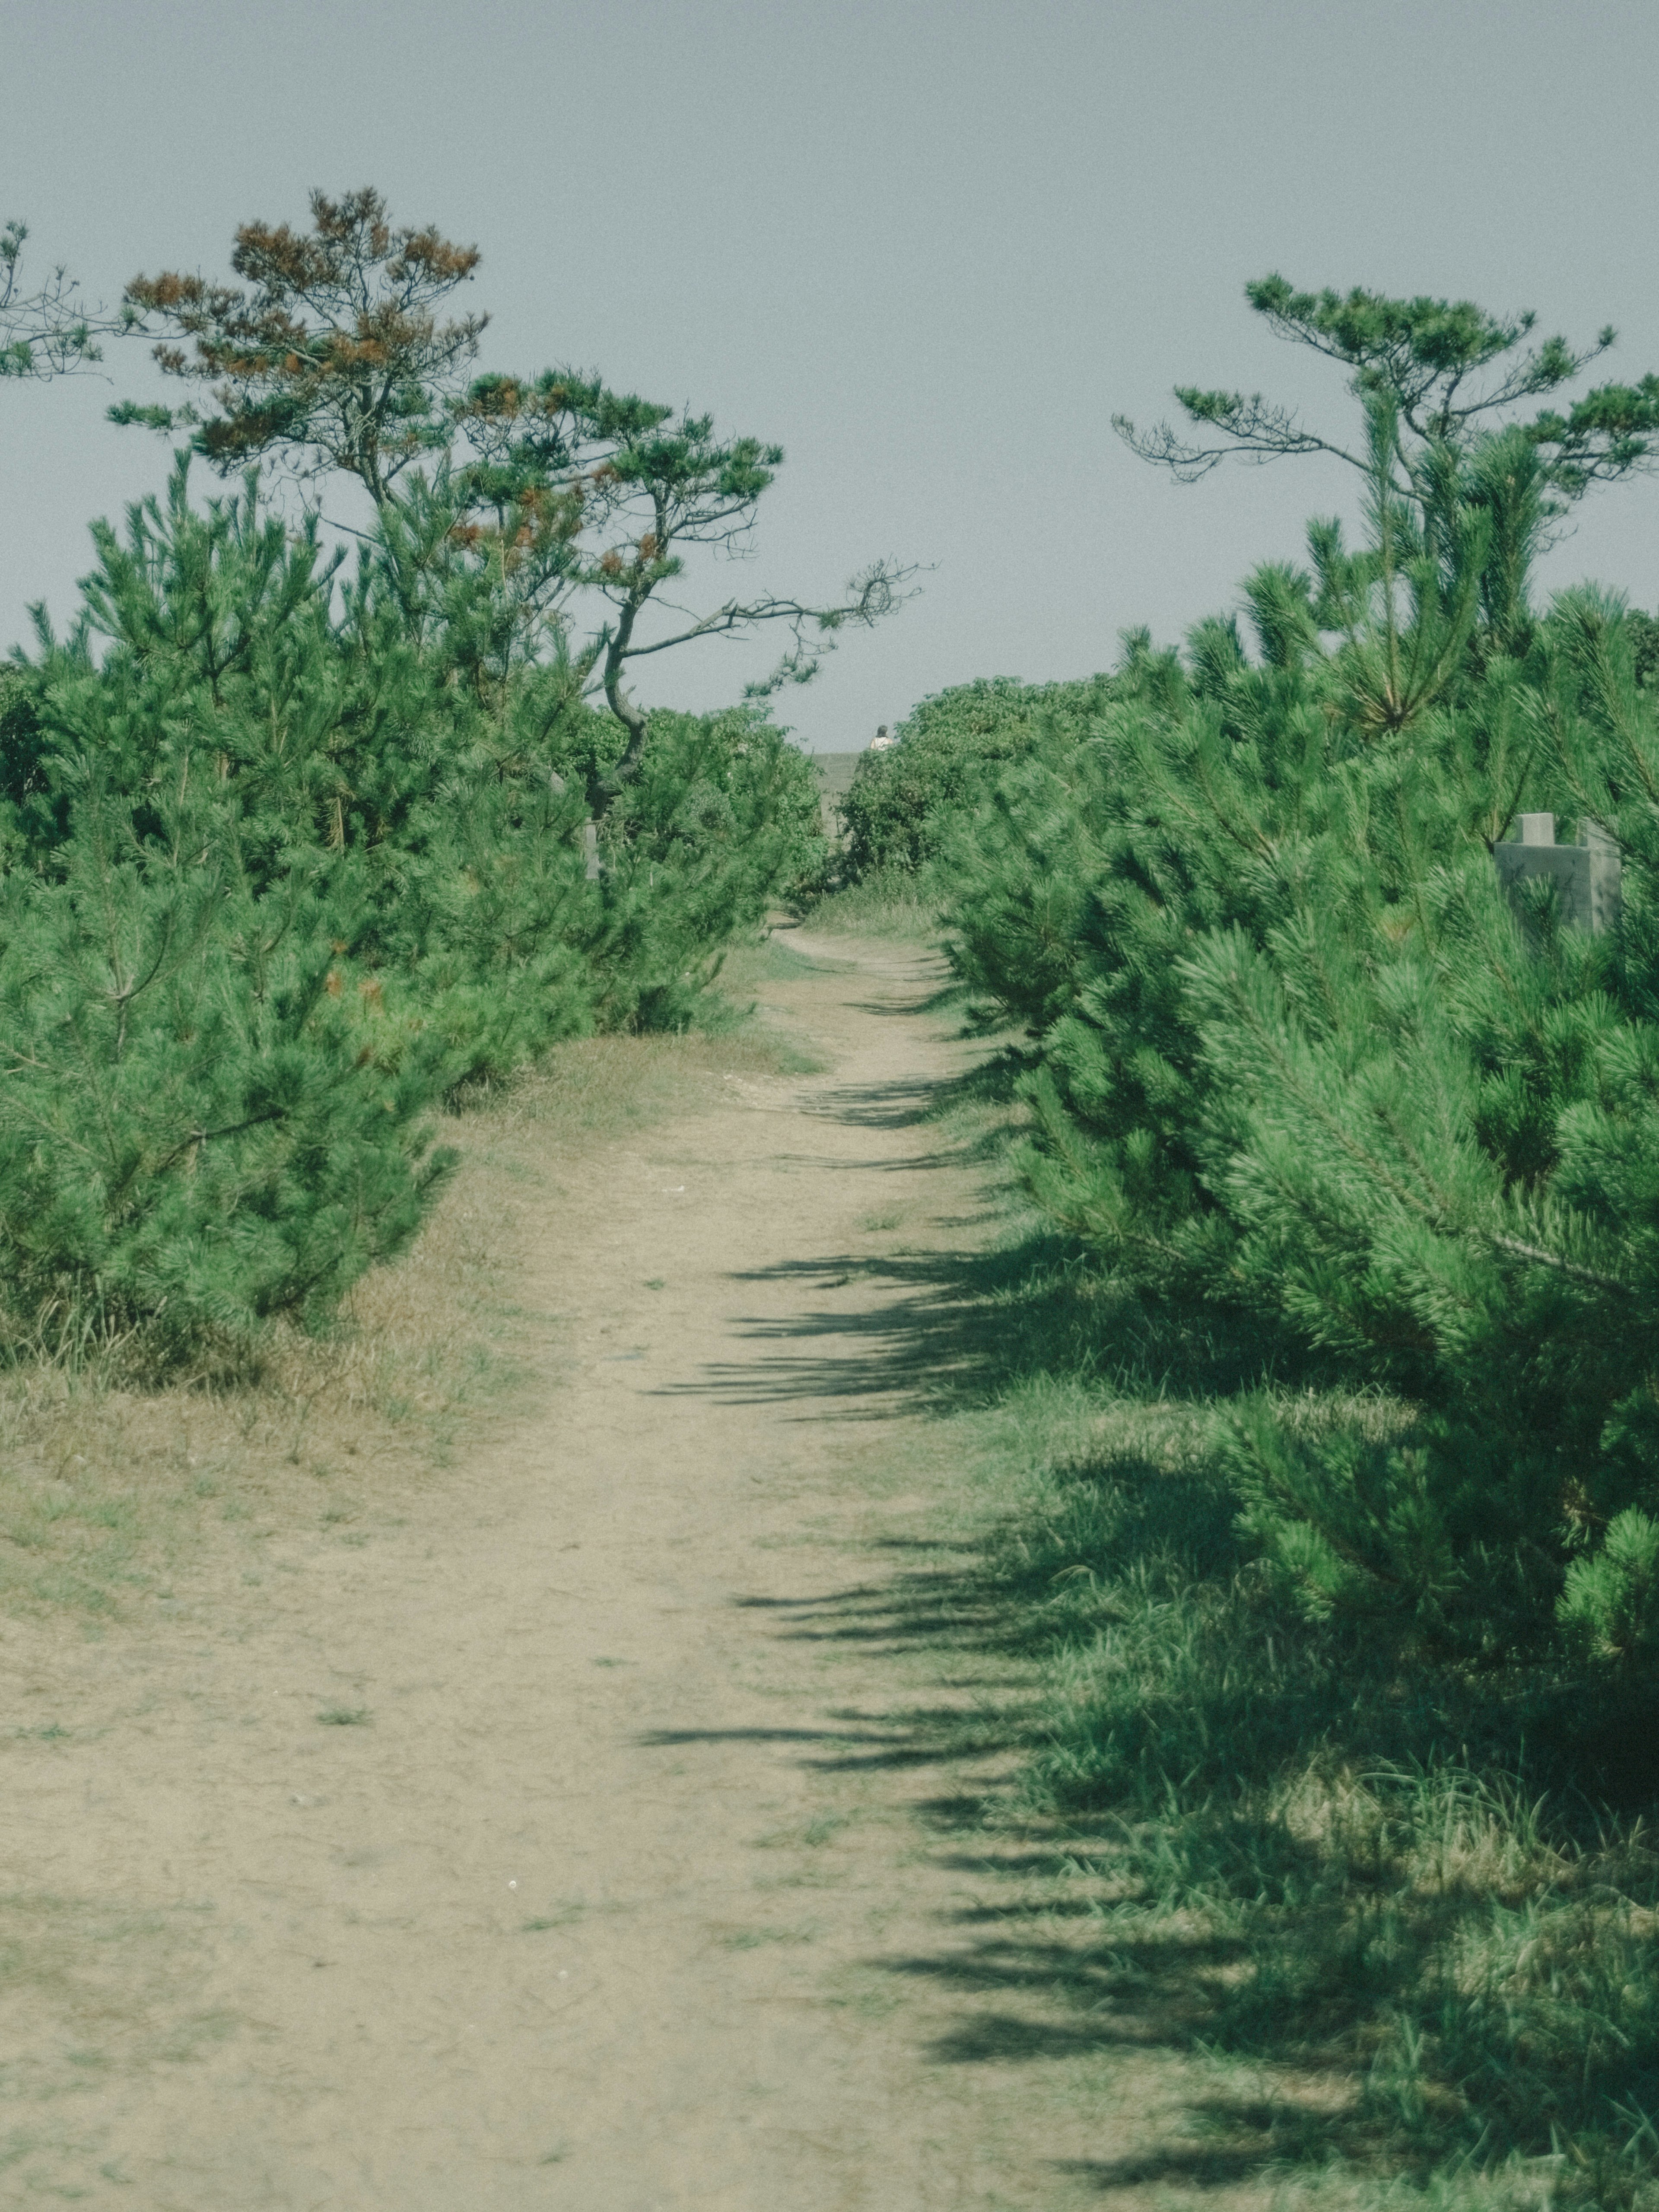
605,1827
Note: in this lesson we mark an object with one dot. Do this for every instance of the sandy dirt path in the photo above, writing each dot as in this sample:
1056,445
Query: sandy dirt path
630,1886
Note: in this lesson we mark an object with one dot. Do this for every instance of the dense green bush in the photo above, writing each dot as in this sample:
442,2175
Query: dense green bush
948,750
290,856
722,822
1355,1651
206,1118
1292,1051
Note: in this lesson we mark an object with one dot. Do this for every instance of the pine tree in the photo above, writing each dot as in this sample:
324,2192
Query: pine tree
331,356
205,1121
47,328
1307,1059
291,855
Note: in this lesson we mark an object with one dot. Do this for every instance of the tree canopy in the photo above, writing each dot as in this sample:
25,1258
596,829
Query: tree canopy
1450,372
333,357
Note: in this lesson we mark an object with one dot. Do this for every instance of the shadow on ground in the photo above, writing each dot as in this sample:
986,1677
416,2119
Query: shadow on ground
1195,1940
937,1331
1035,1963
1136,1912
943,1329
1035,1966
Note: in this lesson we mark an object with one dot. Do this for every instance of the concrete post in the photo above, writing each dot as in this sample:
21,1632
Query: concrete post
1586,876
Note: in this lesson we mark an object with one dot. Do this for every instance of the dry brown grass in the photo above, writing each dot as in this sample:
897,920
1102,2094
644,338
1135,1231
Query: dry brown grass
108,1491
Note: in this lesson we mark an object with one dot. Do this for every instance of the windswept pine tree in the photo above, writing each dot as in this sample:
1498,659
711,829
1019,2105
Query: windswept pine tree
332,357
1295,1051
294,846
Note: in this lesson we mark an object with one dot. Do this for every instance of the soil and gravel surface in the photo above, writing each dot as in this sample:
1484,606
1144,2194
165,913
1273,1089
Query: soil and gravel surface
580,1838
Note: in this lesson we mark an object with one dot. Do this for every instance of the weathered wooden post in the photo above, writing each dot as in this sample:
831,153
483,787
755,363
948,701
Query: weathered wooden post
1587,876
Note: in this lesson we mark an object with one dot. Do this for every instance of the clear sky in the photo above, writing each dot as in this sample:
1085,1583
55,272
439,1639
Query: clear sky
927,247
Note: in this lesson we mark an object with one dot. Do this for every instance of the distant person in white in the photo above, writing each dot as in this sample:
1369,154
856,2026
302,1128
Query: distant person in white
881,741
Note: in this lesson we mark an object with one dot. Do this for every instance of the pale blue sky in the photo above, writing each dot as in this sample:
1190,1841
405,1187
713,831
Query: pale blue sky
927,248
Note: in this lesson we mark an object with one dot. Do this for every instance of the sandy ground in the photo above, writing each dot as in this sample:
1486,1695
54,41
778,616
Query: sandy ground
619,1876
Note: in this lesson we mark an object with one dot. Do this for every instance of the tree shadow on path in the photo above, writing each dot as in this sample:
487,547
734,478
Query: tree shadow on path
1041,1960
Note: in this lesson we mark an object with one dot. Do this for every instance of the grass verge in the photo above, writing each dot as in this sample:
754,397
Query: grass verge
1406,1921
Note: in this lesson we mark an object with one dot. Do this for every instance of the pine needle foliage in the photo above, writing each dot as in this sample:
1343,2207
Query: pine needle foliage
333,358
294,854
1292,1051
945,757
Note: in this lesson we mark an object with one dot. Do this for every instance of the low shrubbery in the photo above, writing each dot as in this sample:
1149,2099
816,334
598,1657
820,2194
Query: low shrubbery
281,875
946,758
293,851
1292,1051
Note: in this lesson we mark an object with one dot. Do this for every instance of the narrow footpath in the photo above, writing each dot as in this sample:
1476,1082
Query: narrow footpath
628,1875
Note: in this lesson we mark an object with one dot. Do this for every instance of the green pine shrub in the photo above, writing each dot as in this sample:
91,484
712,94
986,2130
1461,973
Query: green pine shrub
722,823
902,800
290,857
1610,1603
1292,1051
206,1119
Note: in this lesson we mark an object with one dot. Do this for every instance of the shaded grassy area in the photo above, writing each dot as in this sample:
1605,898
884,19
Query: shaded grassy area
1405,1919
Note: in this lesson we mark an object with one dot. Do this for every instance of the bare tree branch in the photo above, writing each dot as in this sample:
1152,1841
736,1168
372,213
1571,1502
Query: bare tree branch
47,331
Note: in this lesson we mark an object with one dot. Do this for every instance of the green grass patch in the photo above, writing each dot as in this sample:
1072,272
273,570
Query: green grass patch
1405,1920
888,902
